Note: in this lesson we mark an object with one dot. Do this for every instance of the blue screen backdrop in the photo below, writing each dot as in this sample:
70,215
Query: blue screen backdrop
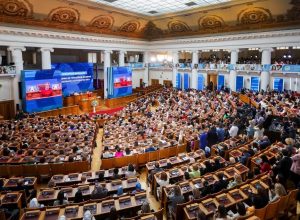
239,83
221,81
200,82
178,81
75,77
255,83
41,90
119,81
186,84
278,84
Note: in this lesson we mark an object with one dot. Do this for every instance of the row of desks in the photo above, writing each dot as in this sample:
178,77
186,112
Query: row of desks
97,209
188,185
228,199
11,183
91,176
174,161
48,196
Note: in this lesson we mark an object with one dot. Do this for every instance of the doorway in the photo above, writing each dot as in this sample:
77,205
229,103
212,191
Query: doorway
212,78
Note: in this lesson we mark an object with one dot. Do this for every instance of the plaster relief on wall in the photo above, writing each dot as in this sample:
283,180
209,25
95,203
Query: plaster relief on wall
64,15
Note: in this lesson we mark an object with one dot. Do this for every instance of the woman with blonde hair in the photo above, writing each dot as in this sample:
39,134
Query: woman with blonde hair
279,191
237,181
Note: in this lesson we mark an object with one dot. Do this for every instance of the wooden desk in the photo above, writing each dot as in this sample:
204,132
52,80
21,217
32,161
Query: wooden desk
29,182
47,196
191,211
225,199
11,200
237,195
33,215
209,206
53,213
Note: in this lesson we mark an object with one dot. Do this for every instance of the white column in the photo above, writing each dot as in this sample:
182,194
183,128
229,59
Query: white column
8,57
46,57
34,58
146,65
17,58
195,60
175,56
265,75
122,58
107,63
232,76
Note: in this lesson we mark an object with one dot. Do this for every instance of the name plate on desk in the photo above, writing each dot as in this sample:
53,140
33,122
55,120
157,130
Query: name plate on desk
132,180
192,207
47,193
10,197
116,183
32,214
92,207
148,217
71,211
125,200
84,189
108,203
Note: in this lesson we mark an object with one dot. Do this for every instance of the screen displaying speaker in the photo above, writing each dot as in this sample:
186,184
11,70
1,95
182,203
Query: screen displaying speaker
119,81
42,90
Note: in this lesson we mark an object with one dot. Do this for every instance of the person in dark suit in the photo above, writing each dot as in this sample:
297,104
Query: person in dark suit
220,184
284,165
259,200
206,190
212,136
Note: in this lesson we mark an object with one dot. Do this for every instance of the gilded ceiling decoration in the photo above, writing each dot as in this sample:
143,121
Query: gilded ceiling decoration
102,22
178,26
151,31
64,15
21,8
59,15
294,12
130,26
254,16
211,21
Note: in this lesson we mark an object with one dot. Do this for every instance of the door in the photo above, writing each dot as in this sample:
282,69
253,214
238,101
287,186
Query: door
212,79
141,83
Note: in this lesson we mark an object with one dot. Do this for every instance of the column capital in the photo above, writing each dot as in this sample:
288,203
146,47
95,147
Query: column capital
270,49
15,48
175,52
108,51
44,49
122,52
234,50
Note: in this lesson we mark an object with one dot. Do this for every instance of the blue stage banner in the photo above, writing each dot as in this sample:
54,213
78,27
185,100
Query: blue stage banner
186,83
119,81
291,68
255,83
278,84
239,83
41,90
136,65
200,82
221,81
75,77
178,81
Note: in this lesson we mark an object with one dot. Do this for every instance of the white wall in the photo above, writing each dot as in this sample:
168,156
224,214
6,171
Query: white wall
137,74
161,75
291,81
6,88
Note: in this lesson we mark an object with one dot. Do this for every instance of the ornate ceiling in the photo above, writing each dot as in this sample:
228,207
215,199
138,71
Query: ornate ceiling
66,15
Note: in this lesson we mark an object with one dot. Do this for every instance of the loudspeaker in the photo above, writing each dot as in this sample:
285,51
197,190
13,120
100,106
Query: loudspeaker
20,89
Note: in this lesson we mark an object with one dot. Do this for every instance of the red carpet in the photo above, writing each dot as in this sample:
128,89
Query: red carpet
108,111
